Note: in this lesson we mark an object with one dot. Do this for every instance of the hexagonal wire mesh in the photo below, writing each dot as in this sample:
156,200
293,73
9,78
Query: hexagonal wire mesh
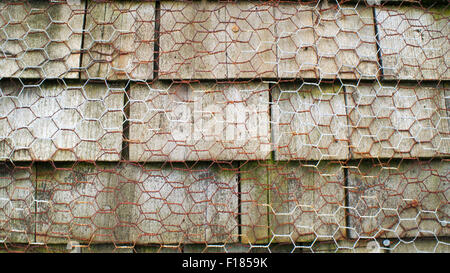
238,126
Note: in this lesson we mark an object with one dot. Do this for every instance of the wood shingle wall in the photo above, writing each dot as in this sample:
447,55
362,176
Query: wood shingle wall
245,124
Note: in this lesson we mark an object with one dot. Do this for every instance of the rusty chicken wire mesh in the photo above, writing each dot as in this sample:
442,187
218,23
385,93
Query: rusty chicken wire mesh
237,126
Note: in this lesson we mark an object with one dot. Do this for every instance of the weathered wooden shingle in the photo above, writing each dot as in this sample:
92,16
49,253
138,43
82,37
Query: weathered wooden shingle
82,202
60,122
309,122
119,40
134,204
414,42
251,40
192,40
307,202
17,205
254,183
41,39
325,41
404,120
201,121
304,202
209,40
399,199
346,42
296,51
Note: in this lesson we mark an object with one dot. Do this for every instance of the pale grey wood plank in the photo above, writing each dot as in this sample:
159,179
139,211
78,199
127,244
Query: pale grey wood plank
306,202
41,39
221,186
401,121
185,204
131,204
17,206
414,42
296,38
199,121
85,203
326,41
258,40
291,202
119,40
192,40
309,123
208,40
399,199
254,202
346,41
251,40
61,122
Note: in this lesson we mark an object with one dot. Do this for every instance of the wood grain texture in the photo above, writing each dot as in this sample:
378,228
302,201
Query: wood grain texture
397,121
296,38
414,42
133,204
60,122
119,40
41,39
399,199
199,121
326,41
192,40
254,40
254,199
17,206
208,40
83,202
304,202
346,42
251,40
309,123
